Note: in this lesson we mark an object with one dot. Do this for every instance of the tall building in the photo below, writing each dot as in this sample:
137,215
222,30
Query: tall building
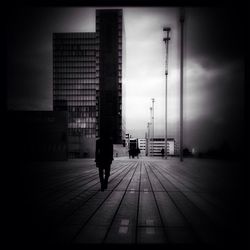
74,88
109,65
87,82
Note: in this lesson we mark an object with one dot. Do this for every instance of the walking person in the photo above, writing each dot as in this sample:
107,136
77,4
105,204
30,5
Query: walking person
138,151
162,153
103,159
130,153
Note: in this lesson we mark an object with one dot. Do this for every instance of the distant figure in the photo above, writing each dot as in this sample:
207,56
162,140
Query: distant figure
130,153
133,153
162,152
103,159
138,151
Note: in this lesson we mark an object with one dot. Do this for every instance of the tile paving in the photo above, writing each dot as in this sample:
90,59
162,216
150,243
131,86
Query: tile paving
148,201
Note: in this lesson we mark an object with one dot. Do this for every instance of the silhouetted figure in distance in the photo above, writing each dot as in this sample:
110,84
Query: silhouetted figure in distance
162,152
103,159
138,151
133,153
130,153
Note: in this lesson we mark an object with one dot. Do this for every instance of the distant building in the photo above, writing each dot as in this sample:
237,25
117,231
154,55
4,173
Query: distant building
142,146
171,146
157,144
38,135
127,136
87,82
133,143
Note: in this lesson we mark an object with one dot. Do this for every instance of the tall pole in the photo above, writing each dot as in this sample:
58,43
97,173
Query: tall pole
153,132
128,141
182,18
166,40
148,148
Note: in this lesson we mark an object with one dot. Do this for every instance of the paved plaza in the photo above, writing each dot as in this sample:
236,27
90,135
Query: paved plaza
148,201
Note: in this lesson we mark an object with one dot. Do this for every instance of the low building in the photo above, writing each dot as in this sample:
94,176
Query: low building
155,145
127,136
142,146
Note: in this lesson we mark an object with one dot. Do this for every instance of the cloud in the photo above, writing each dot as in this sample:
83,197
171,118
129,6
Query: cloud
214,104
214,35
214,88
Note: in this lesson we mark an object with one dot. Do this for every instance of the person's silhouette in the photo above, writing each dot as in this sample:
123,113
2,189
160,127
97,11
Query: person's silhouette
103,159
162,152
138,151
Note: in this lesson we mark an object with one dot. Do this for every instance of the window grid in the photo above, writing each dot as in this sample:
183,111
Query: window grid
74,80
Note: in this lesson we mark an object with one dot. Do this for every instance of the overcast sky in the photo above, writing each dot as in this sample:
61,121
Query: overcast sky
213,76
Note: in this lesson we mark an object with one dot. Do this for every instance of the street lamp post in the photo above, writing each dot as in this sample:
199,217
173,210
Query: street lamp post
166,40
182,19
148,148
153,100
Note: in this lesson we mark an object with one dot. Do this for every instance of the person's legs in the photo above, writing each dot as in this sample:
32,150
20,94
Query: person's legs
107,174
101,178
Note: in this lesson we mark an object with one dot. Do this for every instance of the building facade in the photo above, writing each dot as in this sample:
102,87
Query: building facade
87,82
155,145
74,88
109,68
142,146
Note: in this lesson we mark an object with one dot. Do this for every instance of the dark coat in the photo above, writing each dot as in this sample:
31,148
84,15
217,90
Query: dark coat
104,152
